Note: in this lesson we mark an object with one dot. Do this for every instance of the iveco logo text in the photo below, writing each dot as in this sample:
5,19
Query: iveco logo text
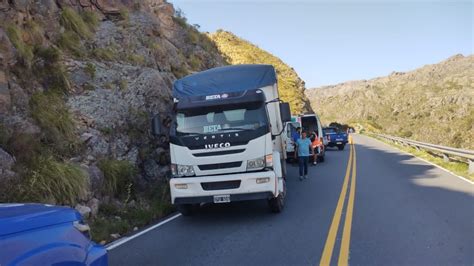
217,145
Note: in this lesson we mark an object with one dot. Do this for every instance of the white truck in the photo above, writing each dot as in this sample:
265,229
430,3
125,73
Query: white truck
226,139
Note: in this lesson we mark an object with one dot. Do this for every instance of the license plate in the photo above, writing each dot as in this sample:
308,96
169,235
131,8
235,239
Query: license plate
221,198
338,142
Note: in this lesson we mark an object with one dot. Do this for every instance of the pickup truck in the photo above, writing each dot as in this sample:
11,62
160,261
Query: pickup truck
335,137
41,234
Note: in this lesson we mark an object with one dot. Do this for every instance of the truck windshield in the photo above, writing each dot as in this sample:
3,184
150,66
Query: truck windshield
227,118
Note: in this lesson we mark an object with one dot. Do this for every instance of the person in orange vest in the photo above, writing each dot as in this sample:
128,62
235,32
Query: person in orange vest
317,146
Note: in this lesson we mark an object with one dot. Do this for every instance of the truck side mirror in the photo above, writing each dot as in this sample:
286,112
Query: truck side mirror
156,125
285,112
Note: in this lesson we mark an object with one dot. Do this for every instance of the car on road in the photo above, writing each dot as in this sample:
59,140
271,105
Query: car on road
335,137
41,234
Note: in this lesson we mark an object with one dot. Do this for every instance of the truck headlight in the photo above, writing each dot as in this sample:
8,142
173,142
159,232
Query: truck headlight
254,164
179,170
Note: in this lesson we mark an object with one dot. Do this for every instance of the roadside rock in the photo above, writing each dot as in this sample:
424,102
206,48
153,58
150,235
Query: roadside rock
83,210
96,179
6,160
115,236
94,206
152,169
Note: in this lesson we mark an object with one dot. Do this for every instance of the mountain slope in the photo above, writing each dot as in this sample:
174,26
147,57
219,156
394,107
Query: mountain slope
239,51
434,103
79,82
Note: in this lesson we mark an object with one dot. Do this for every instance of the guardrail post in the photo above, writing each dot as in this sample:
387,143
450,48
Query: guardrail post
471,166
445,158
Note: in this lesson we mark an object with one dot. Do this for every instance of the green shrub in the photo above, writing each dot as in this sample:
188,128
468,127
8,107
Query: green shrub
107,54
25,51
136,59
118,176
90,70
34,33
51,114
71,41
50,70
91,19
72,21
179,71
194,62
49,179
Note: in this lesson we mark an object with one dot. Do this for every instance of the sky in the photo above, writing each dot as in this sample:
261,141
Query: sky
332,41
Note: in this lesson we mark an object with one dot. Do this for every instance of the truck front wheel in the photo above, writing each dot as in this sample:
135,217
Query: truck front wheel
276,204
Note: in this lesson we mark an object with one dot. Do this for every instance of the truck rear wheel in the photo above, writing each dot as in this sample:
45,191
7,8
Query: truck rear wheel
341,147
186,209
278,203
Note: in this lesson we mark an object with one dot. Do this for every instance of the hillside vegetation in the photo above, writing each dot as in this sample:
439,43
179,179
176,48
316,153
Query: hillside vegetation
239,51
79,81
434,103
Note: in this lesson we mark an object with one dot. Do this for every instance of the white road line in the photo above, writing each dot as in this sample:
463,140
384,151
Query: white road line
126,239
428,162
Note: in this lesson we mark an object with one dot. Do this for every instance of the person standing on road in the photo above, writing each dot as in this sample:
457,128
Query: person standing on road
295,136
304,146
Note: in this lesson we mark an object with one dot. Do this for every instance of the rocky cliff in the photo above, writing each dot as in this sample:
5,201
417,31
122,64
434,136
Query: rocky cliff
434,103
79,81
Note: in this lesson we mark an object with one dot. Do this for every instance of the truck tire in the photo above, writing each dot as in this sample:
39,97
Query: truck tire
341,147
278,203
186,209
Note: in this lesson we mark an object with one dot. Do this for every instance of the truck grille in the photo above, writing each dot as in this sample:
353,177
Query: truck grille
221,185
216,153
215,166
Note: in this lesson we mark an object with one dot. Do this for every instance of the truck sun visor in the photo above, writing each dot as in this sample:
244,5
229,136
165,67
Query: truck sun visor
229,79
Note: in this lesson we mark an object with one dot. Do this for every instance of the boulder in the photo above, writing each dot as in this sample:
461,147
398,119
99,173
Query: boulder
152,169
83,210
6,160
93,204
96,179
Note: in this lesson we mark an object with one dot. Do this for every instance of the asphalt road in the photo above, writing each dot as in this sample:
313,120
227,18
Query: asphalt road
400,211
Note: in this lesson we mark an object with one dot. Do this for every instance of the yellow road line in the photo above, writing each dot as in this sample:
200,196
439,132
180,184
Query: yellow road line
331,238
346,234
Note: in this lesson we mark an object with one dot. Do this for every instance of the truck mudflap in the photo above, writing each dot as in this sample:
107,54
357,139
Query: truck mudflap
232,198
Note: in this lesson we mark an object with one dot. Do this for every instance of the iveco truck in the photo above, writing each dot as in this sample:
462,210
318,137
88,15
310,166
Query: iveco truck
226,139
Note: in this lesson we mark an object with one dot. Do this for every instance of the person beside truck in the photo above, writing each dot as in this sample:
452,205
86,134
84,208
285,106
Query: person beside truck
304,145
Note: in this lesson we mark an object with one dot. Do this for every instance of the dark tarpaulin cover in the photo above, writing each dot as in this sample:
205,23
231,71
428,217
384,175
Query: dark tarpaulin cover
225,79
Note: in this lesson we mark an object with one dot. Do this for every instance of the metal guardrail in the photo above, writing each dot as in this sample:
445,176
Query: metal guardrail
445,152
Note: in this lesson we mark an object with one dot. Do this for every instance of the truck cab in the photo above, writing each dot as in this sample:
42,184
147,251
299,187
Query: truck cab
226,140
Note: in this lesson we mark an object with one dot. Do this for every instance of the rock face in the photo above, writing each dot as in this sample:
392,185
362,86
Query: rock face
114,70
432,104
